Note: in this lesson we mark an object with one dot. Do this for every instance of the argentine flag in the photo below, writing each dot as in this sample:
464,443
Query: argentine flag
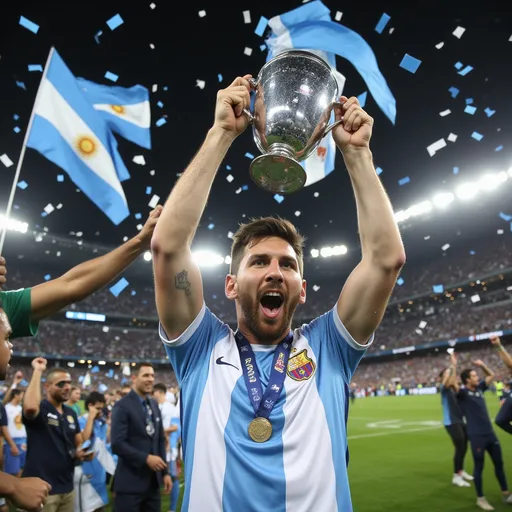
125,109
68,131
309,27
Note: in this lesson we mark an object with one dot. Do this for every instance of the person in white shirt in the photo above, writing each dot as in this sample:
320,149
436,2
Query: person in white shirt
15,449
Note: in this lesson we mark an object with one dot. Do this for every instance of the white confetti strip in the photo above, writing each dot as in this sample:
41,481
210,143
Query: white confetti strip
439,45
338,15
248,51
458,32
154,201
200,84
202,14
445,112
247,16
6,160
452,137
436,146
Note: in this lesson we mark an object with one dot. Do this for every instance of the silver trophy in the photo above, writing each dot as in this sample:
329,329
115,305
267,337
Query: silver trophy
296,92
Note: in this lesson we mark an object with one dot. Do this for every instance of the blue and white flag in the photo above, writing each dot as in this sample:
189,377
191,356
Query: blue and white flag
68,131
309,27
125,109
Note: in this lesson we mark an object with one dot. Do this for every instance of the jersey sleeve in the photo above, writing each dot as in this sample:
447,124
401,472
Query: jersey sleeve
329,330
17,305
195,344
482,386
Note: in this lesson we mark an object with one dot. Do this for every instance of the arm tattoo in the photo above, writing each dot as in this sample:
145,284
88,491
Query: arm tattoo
181,282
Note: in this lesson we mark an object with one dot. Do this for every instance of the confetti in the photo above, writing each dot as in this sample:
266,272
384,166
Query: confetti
436,146
202,14
148,190
458,32
438,288
229,178
453,91
35,67
379,171
152,5
211,226
161,121
400,281
404,181
116,289
115,22
249,155
489,112
439,45
410,64
247,51
477,136
452,137
279,198
6,160
16,129
338,15
139,159
445,113
22,184
111,76
262,25
470,109
200,84
97,36
154,201
466,70
445,247
362,98
381,25
247,16
29,25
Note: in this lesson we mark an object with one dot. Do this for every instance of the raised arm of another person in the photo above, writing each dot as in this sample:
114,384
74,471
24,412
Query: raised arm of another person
29,494
366,293
489,374
450,377
32,398
178,285
504,355
83,280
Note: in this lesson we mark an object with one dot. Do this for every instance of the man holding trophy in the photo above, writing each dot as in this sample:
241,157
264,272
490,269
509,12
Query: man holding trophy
265,407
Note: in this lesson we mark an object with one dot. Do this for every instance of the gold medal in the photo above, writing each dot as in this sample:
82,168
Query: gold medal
260,430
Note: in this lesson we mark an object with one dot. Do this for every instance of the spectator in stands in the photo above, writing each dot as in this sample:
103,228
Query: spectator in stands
15,449
26,307
74,398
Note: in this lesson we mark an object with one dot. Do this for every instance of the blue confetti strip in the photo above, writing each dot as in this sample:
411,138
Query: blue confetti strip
219,77
455,170
438,288
458,65
362,98
469,101
138,216
249,155
116,289
115,22
35,67
245,187
499,148
97,36
43,214
16,129
47,277
404,181
133,292
15,117
381,25
505,217
22,184
211,226
60,178
161,121
410,64
466,70
400,281
279,198
160,104
477,136
21,85
148,190
111,76
453,91
472,253
489,112
29,25
470,109
263,47
262,25
379,171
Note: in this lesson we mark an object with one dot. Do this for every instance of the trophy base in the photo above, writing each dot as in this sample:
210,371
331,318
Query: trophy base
277,173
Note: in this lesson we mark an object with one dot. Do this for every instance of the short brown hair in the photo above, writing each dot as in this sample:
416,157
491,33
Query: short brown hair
265,227
138,366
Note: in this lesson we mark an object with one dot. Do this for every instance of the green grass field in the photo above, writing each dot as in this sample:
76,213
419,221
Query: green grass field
401,458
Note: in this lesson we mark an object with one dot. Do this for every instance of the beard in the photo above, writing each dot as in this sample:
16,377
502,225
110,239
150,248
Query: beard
266,331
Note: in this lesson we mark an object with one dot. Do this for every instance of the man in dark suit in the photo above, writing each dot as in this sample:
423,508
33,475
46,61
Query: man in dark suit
137,437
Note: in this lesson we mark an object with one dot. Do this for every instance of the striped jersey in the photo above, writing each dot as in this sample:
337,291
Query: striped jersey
303,466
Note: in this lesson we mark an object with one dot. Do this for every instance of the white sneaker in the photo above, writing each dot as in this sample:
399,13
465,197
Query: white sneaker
484,504
459,481
467,476
508,499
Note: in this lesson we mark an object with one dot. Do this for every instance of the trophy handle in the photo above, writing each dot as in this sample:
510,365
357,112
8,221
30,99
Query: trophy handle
336,123
254,84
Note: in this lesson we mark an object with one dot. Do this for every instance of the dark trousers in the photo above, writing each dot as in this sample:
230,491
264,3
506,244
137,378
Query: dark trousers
480,445
504,417
460,441
148,501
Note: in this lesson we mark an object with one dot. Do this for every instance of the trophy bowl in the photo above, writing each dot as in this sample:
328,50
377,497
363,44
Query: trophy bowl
295,93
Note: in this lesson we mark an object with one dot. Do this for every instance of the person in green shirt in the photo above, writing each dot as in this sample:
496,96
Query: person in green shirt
24,308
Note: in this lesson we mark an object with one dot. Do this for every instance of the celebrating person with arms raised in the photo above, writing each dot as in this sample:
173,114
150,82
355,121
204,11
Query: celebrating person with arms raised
263,405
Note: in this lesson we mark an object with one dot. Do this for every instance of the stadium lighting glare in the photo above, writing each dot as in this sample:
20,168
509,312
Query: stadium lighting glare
315,253
337,250
491,181
14,224
466,191
148,256
227,260
443,199
510,171
208,258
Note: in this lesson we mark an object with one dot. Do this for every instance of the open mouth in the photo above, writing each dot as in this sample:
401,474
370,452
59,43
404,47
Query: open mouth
271,304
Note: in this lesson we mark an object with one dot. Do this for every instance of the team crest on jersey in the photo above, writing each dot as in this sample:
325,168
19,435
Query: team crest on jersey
301,367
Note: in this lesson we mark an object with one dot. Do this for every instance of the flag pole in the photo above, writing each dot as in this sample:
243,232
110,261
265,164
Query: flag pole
22,156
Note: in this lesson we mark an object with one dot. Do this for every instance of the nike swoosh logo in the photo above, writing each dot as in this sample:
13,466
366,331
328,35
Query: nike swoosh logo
220,361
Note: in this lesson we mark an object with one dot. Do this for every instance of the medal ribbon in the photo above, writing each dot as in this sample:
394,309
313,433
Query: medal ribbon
264,403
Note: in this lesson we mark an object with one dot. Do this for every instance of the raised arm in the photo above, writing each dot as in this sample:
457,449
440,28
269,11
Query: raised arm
489,374
178,286
504,355
366,293
83,280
